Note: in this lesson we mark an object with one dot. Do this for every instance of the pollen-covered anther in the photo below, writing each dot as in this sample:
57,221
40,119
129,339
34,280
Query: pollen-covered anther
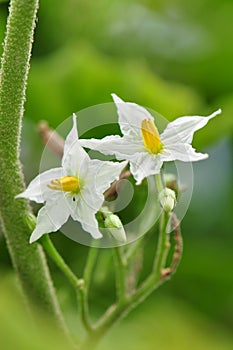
151,136
65,183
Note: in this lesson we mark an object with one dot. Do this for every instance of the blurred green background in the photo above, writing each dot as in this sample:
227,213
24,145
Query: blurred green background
176,58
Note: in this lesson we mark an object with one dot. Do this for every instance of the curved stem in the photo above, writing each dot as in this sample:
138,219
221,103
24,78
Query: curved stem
159,182
59,261
79,284
87,277
90,264
84,310
28,260
127,302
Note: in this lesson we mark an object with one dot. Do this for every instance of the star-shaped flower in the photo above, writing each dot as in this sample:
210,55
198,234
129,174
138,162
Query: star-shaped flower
75,189
143,146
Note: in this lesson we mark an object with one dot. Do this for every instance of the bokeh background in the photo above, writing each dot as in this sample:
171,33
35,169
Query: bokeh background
176,58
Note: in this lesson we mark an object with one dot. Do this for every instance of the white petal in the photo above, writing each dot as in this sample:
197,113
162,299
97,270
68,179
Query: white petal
72,136
130,117
102,174
38,189
145,164
183,152
50,218
84,213
121,147
182,129
75,159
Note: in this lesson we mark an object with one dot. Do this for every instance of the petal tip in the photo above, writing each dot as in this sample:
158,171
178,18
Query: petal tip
219,111
116,98
96,235
35,236
74,118
20,195
32,240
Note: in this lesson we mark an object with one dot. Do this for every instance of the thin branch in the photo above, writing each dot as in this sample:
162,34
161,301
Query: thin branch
59,261
112,192
178,249
84,292
51,139
120,272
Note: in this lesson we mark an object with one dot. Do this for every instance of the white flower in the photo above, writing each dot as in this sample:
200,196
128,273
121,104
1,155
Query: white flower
142,144
75,189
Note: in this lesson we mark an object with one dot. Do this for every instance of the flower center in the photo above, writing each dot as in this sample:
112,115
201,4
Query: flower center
151,136
65,183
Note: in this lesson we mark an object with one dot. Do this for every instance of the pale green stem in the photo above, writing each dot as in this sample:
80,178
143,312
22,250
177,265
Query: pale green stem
28,260
59,261
134,248
80,285
90,265
163,245
87,277
159,182
126,303
120,271
151,283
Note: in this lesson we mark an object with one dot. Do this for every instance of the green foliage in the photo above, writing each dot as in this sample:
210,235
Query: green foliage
18,329
165,324
77,76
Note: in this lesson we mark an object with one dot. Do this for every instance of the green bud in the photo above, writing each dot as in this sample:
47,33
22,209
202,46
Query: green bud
167,198
115,227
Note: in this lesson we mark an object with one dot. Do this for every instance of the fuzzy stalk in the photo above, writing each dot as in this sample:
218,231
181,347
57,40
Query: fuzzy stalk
28,260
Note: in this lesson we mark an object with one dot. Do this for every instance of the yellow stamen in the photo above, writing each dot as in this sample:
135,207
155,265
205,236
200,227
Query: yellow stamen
65,183
151,136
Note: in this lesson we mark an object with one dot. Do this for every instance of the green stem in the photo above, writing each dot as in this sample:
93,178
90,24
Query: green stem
126,303
89,267
120,268
28,260
163,245
159,182
134,248
87,276
58,260
79,284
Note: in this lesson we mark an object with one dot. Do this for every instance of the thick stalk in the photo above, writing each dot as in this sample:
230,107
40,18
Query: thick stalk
28,260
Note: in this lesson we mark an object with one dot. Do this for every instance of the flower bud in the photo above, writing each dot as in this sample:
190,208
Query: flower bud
167,198
115,227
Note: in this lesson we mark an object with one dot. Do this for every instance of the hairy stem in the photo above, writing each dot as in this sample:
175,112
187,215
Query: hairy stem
58,260
28,260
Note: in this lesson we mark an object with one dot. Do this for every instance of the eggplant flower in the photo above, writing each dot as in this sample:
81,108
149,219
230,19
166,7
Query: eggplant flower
75,189
142,144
